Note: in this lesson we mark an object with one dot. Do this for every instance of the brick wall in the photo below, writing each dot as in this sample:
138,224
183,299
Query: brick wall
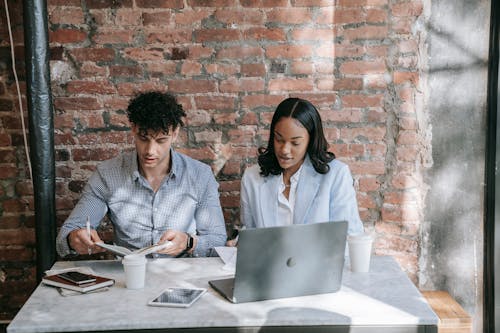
230,62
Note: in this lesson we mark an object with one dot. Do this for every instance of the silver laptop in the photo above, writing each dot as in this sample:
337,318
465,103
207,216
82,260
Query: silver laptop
295,260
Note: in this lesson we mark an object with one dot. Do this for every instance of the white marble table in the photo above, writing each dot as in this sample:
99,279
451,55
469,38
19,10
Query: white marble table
384,300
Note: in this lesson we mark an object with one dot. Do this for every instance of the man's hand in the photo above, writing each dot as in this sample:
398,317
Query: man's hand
179,241
80,242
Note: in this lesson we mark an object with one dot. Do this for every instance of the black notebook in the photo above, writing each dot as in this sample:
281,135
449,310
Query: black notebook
56,281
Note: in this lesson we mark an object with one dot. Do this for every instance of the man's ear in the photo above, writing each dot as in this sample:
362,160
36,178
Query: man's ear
133,128
175,133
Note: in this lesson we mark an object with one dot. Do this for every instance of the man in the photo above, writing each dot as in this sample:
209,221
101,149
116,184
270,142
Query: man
152,194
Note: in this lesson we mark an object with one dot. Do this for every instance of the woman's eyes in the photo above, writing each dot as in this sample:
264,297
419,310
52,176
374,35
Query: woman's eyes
281,141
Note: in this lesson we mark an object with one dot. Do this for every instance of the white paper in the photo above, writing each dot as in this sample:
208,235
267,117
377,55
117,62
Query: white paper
228,255
123,251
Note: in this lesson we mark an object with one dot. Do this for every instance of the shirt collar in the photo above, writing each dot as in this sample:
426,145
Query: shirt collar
175,170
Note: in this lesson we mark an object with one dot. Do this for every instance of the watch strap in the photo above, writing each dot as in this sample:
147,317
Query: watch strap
190,242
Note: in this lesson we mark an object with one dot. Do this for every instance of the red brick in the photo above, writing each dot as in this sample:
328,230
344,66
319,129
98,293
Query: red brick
357,3
325,84
7,156
233,85
368,167
230,201
304,67
66,15
348,84
92,70
313,34
232,168
23,236
361,101
217,35
191,17
258,69
376,15
114,37
343,16
91,87
264,3
202,154
17,254
365,201
225,118
363,67
144,54
289,51
173,4
67,36
240,52
261,100
413,8
93,54
402,25
352,116
212,102
244,135
289,16
372,134
161,69
376,115
5,140
348,50
10,222
407,138
104,4
212,3
325,15
406,77
192,86
241,17
375,81
208,136
288,84
369,184
95,154
157,18
367,32
126,71
7,172
326,54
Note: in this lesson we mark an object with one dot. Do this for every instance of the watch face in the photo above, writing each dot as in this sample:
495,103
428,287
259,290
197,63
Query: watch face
189,244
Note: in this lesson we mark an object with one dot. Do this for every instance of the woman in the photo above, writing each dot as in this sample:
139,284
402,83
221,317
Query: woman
297,180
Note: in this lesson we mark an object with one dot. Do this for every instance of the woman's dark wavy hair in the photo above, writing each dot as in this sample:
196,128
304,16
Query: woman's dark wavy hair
309,117
155,111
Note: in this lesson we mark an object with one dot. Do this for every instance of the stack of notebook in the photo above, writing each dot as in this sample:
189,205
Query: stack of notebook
77,282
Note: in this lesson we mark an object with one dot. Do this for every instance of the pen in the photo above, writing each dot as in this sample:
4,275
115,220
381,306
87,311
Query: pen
89,234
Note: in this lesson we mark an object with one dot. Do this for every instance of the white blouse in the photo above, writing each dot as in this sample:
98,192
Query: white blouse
286,206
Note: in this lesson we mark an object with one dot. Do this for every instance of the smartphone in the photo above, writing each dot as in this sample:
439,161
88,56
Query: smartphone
76,277
178,297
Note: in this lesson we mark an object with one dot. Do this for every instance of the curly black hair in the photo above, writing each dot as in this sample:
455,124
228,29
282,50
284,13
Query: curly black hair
309,117
155,111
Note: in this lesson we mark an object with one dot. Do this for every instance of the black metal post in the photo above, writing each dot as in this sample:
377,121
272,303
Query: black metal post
41,130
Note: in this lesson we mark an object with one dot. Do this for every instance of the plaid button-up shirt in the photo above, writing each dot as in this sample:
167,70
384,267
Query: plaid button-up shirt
187,200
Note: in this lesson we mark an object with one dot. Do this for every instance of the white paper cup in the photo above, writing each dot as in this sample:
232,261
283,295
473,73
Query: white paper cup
360,249
135,271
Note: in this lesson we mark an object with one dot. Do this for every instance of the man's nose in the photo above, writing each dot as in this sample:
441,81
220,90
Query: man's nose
150,147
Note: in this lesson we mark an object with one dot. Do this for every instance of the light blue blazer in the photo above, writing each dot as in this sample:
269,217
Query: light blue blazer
319,198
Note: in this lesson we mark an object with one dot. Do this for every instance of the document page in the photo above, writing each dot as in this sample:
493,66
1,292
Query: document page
228,255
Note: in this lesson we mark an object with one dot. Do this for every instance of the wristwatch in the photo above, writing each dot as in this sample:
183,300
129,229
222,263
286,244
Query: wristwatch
190,242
